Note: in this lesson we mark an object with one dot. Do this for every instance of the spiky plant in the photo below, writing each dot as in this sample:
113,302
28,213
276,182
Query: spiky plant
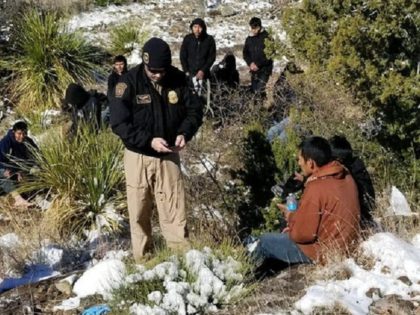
126,37
84,174
46,58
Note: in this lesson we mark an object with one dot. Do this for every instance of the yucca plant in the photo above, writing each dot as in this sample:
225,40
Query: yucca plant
126,37
84,174
46,58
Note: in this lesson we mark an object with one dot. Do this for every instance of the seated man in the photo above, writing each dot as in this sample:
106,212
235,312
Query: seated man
15,146
327,218
343,152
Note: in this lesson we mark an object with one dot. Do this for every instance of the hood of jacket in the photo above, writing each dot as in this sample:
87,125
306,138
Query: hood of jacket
332,169
203,25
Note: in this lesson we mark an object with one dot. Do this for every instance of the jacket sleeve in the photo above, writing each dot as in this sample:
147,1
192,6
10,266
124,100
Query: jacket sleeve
110,89
183,54
304,223
211,56
194,114
263,61
122,117
246,53
5,146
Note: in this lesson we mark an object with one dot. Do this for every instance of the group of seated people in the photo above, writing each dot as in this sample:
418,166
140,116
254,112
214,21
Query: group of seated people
337,200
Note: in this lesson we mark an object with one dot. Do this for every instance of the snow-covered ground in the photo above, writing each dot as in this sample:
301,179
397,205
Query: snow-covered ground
396,271
170,20
179,296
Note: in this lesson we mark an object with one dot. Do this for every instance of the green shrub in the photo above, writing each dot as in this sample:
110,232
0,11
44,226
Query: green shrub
45,59
84,175
126,37
371,47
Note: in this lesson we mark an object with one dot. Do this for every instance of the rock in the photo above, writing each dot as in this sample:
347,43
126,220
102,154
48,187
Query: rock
405,280
226,11
65,286
392,304
373,292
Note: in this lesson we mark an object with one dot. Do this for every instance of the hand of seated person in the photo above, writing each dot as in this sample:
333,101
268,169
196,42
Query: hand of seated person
286,229
7,173
283,208
299,177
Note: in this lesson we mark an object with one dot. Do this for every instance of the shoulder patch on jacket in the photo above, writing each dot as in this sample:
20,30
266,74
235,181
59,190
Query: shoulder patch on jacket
120,89
143,99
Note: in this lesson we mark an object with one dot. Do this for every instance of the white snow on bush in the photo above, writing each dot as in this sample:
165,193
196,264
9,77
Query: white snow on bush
9,241
102,279
182,297
394,259
50,255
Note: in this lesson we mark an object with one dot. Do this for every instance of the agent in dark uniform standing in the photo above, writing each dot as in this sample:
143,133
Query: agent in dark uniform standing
259,65
155,114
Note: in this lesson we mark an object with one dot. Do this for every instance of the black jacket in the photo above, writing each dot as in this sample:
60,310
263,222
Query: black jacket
89,113
364,184
9,147
113,79
254,52
198,53
139,113
225,72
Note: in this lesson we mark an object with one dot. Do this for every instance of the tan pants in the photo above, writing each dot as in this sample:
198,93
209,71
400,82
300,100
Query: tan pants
159,178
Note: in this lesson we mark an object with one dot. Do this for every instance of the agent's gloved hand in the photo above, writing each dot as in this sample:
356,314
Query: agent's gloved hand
97,310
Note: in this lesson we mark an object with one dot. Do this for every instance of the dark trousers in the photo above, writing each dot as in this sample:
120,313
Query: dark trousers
259,81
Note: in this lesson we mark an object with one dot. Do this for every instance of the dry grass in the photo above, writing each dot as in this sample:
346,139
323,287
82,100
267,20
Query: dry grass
32,231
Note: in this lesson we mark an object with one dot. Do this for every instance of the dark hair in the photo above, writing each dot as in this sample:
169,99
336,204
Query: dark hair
20,125
341,149
317,149
120,58
255,22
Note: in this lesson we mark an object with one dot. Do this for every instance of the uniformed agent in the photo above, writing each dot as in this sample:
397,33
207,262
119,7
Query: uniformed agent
155,114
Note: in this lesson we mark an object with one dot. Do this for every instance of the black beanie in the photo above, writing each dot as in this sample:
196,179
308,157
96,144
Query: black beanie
76,95
157,54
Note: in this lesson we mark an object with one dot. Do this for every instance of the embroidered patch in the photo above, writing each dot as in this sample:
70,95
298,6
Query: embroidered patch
146,58
120,89
172,97
143,99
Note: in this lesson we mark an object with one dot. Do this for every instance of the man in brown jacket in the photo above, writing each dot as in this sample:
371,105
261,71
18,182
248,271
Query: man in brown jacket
327,219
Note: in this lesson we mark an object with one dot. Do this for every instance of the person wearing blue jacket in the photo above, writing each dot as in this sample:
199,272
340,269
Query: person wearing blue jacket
15,146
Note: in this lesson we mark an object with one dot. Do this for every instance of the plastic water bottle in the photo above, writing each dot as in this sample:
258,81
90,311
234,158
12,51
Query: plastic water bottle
291,202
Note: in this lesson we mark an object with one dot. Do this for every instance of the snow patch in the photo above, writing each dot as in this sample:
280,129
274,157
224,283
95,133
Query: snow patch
394,258
102,279
9,241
